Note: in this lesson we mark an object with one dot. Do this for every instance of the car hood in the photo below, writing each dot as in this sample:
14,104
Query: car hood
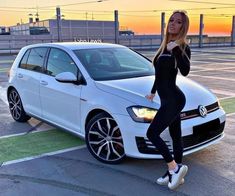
135,90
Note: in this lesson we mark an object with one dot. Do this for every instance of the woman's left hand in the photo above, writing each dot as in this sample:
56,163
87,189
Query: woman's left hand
150,97
171,45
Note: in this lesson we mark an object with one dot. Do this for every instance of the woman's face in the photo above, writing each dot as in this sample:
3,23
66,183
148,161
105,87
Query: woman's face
175,24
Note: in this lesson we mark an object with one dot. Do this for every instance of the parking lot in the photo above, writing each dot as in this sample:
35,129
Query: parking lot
61,164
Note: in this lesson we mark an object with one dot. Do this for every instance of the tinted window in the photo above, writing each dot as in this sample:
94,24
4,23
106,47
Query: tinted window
59,61
23,63
114,63
36,59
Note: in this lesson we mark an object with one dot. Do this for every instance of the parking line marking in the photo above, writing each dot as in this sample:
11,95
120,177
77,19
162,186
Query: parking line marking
213,77
19,134
37,144
228,93
223,98
226,60
3,95
198,61
228,69
231,114
42,155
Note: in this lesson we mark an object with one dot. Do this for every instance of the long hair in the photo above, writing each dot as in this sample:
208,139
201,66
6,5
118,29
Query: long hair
181,38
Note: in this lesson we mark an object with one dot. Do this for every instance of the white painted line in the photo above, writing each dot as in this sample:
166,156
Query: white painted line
42,155
228,69
223,92
199,67
19,134
198,61
231,114
226,60
197,53
228,97
3,95
213,77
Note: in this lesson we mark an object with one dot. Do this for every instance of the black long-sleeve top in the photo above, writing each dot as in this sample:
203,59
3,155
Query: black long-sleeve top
166,68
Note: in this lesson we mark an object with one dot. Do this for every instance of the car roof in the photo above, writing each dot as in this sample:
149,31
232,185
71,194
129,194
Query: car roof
76,45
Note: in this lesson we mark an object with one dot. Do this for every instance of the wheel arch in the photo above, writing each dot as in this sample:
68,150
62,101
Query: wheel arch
93,113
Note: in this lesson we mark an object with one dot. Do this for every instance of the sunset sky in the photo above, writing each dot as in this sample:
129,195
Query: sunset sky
143,17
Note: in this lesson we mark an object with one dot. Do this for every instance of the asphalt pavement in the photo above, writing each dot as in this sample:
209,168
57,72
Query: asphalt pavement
76,172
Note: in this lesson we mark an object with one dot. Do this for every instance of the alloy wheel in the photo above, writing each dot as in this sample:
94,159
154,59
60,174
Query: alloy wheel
16,107
105,140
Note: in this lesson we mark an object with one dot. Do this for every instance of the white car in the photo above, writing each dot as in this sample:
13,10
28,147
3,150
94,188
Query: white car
97,91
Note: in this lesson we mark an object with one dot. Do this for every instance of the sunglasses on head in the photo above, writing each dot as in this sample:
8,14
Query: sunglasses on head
180,11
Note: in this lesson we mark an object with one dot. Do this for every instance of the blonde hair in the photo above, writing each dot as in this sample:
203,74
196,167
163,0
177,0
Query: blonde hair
181,38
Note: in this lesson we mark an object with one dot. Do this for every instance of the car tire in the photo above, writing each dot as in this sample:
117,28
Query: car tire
16,107
104,139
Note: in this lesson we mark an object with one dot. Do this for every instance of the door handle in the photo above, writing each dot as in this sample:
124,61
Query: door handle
42,82
20,75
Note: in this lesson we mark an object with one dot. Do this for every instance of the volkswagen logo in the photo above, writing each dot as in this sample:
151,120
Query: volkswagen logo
202,110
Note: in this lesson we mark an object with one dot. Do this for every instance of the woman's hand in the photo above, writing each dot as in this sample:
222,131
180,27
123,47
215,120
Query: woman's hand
150,97
171,45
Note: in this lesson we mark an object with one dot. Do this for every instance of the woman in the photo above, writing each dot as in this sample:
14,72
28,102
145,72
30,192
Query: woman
172,55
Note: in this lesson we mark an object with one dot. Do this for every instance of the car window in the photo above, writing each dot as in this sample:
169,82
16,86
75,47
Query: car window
36,59
59,61
23,63
114,63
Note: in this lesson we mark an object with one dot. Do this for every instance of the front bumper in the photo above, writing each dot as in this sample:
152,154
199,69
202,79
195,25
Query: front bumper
197,133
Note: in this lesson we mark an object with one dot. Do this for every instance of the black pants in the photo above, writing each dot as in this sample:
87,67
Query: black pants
166,117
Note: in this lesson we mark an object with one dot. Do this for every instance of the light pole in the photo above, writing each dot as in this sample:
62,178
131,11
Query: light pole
162,25
116,27
233,31
58,18
201,31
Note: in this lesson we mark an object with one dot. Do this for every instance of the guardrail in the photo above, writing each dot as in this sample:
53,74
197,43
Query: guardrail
143,42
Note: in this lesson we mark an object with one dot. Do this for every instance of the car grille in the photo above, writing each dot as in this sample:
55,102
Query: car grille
203,133
195,113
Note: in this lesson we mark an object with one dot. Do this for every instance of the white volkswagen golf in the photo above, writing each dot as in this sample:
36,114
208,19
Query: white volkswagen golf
97,91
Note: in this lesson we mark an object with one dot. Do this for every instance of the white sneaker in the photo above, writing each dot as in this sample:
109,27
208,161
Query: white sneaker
176,178
164,180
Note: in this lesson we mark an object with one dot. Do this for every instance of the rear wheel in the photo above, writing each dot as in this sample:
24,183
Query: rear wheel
104,139
16,107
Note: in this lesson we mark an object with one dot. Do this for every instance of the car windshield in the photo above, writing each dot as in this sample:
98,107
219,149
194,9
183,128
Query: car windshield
114,63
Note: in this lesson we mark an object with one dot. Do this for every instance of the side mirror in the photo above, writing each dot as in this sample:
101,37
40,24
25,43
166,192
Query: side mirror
66,77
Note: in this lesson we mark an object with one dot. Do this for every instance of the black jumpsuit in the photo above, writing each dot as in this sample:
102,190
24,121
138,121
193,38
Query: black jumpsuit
172,101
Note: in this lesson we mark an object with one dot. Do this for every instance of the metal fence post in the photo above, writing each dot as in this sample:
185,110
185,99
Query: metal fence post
58,19
201,31
233,31
162,25
116,26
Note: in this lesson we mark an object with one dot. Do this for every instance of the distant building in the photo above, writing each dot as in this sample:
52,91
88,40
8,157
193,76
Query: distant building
70,29
4,31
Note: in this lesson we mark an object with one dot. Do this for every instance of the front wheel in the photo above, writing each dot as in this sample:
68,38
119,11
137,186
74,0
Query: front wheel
16,107
104,139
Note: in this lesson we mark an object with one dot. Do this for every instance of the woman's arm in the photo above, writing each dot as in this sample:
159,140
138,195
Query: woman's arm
183,61
154,88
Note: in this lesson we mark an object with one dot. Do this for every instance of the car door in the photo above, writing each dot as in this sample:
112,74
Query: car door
60,101
28,79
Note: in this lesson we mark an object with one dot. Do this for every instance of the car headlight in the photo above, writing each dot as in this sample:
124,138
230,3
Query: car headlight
142,114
